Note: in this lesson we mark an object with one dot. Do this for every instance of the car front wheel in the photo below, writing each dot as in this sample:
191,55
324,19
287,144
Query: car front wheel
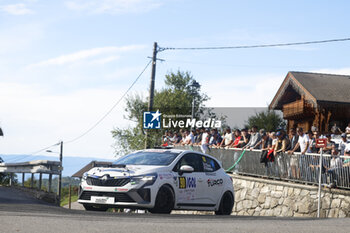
226,204
164,201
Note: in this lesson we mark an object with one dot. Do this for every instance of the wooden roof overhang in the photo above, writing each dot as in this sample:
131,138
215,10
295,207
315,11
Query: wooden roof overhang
291,90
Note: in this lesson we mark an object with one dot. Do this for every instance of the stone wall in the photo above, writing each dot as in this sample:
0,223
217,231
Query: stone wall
263,197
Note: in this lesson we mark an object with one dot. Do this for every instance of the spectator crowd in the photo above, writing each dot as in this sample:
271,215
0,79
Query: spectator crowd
277,148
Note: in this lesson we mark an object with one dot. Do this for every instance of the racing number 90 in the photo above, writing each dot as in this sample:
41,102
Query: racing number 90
182,182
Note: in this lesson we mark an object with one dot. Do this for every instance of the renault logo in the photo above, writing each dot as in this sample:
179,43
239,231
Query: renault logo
105,177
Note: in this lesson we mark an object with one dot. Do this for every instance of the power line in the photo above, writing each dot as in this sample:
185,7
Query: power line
91,128
20,157
255,46
109,111
234,65
44,149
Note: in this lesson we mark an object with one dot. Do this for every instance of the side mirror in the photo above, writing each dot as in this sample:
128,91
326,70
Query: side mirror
186,169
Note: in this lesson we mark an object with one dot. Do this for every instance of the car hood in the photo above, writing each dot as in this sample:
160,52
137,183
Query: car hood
129,170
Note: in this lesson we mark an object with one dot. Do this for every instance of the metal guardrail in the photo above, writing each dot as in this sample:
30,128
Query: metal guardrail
32,167
296,167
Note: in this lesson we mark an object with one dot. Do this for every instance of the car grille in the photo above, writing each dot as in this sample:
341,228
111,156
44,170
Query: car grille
119,197
109,182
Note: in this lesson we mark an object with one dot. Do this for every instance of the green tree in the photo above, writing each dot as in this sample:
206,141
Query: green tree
175,98
268,120
5,178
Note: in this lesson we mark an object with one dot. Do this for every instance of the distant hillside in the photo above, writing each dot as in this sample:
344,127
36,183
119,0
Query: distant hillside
70,164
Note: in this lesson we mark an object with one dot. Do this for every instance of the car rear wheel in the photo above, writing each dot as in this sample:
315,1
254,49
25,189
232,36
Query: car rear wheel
164,201
226,204
95,208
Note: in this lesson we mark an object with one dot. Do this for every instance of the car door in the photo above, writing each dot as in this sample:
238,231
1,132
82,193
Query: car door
190,186
213,180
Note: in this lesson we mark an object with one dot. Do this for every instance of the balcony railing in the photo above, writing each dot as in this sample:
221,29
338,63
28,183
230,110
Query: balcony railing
296,109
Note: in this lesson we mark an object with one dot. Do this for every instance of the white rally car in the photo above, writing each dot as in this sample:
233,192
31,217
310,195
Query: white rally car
160,180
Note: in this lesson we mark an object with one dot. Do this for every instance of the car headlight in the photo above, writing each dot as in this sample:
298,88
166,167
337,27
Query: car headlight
148,179
84,177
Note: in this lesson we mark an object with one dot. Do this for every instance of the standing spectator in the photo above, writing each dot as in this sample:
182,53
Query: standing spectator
347,129
227,139
335,129
177,138
198,137
245,137
347,150
303,143
189,138
293,137
237,142
335,164
330,144
312,142
215,139
272,140
281,146
205,141
342,144
282,143
254,138
264,149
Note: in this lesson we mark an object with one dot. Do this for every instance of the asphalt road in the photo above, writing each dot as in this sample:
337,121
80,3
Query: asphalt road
21,213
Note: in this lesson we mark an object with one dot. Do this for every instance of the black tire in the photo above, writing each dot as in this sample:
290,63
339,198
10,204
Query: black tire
89,207
226,204
164,201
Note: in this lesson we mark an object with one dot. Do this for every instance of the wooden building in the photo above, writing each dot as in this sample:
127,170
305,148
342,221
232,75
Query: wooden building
314,99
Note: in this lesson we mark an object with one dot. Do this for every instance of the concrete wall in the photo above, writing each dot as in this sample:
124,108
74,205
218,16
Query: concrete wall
263,197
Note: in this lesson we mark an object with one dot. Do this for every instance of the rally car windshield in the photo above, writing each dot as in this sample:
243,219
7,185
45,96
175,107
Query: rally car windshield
148,158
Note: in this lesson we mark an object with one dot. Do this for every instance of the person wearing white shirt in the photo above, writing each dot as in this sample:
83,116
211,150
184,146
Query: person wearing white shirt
342,144
303,143
227,139
347,129
205,141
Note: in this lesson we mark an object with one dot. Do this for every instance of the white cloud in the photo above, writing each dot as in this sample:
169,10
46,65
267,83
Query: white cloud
87,54
105,60
113,6
16,9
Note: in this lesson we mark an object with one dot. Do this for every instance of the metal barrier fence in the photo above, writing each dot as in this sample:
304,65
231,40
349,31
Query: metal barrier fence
296,167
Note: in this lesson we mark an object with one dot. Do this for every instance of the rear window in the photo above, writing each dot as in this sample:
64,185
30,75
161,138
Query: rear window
148,158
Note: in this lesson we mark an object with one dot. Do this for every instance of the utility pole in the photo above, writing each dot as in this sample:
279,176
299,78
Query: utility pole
151,88
153,77
60,175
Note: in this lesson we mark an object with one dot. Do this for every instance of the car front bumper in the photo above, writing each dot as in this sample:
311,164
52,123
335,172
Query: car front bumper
116,196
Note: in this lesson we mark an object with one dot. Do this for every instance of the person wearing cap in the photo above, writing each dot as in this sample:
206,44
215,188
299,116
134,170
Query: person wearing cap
343,143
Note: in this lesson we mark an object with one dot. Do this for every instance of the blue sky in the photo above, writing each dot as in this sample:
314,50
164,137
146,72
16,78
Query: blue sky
63,64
